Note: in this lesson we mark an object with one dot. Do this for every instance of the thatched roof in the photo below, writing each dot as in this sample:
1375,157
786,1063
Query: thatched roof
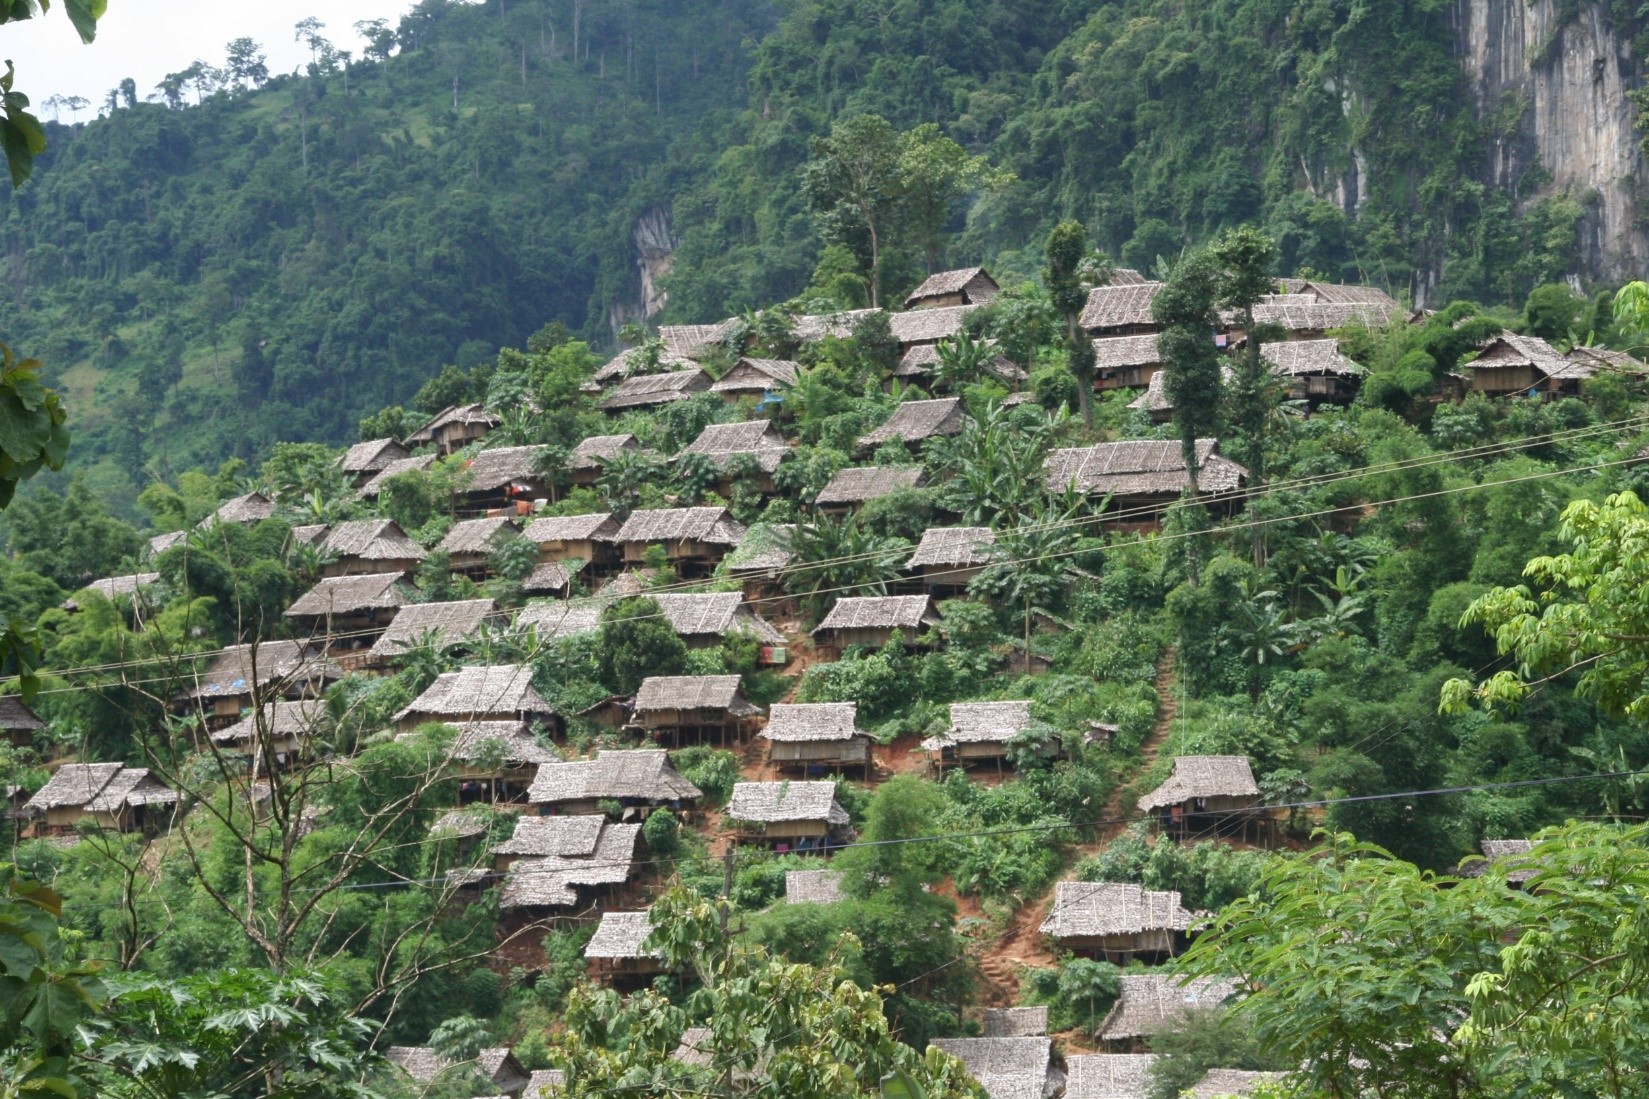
752,375
498,690
455,414
372,488
862,483
477,535
566,837
1140,467
310,534
706,614
280,720
1109,1076
1150,1003
290,663
696,1047
643,390
545,1083
1339,293
1155,397
694,340
550,881
599,526
598,450
693,692
451,623
559,618
1007,1068
371,540
1293,358
251,508
509,741
1325,316
1016,1022
423,1064
1232,1081
953,547
1083,909
1511,350
928,325
458,824
642,773
74,784
620,935
812,886
876,612
627,362
982,723
337,595
772,802
1601,358
766,548
1114,352
1120,305
160,543
711,525
1512,853
132,786
554,577
491,470
719,442
371,456
974,283
812,722
914,421
17,717
920,359
815,327
1203,777
117,587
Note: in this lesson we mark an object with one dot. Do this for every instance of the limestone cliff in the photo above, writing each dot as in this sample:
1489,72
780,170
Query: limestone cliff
1553,93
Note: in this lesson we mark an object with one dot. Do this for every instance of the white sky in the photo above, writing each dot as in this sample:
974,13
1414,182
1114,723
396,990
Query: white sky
146,39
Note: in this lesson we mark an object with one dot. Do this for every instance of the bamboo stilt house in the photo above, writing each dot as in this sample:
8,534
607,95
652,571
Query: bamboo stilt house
497,1065
1144,477
947,558
361,462
230,680
368,547
454,428
349,613
788,816
616,954
374,486
637,780
915,422
850,489
1008,1068
1314,370
1118,922
18,722
254,507
874,620
1126,362
1206,795
504,479
962,286
587,460
560,881
107,795
1151,1003
449,625
471,543
694,539
652,390
275,735
979,732
818,737
694,709
589,538
1122,308
502,692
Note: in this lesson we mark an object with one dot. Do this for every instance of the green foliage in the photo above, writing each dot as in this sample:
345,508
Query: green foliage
637,641
1208,1039
1078,993
48,991
712,770
32,432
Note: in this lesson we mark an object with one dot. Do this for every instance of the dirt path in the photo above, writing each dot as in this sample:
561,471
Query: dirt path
1167,712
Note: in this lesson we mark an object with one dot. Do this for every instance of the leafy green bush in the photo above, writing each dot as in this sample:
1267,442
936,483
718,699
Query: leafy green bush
712,770
1078,993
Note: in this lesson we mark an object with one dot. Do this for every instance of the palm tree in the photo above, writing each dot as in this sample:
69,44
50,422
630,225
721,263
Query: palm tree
625,475
994,464
834,558
963,360
1030,566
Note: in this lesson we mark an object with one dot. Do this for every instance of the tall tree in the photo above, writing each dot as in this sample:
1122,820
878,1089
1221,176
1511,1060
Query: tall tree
1184,307
855,186
936,172
1067,249
1244,258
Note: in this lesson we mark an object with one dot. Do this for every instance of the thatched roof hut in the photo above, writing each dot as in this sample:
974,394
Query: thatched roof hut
752,377
765,549
1118,920
451,623
812,886
1150,1003
285,726
1141,473
1315,370
788,810
1217,782
598,526
1120,308
696,340
353,603
1126,362
111,794
690,536
627,362
567,837
369,546
254,507
823,735
873,619
649,390
1510,363
561,618
811,328
852,487
160,543
928,325
502,692
979,730
597,450
1326,316
497,1064
1008,1068
364,459
545,1083
677,693
115,588
18,723
1016,1022
374,485
916,421
639,776
477,537
708,617
757,438
620,936
553,881
963,286
919,360
228,680
454,427
949,557
1109,1076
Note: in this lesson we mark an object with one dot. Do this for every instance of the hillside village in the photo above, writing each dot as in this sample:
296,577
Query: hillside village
807,614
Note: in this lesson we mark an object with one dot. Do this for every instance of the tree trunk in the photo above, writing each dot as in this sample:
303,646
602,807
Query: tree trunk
875,265
578,18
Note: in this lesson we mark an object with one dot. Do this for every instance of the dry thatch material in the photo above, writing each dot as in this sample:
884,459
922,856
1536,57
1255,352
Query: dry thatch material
695,340
310,534
132,787
693,692
646,390
237,670
564,837
643,774
160,543
1016,1022
863,483
708,525
1601,358
509,742
372,489
879,612
599,526
339,595
1233,1081
812,886
281,721
953,547
815,327
477,536
758,376
627,362
1124,305
561,619
1203,777
1338,293
1155,398
1512,853
914,421
1109,1076
1294,358
552,881
1150,1003
451,623
458,825
500,691
928,325
598,450
1089,909
620,936
371,540
775,802
545,1083
982,723
491,470
974,284
73,784
1511,350
15,717
117,587
714,614
1140,467
919,360
497,1064
254,507
372,456
1119,352
766,548
720,442
1007,1068
812,722
552,577
463,415
1324,317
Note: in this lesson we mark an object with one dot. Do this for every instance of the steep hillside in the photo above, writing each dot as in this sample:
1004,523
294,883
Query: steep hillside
278,261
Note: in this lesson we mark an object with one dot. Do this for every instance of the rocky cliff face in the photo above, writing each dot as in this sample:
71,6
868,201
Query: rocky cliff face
1554,95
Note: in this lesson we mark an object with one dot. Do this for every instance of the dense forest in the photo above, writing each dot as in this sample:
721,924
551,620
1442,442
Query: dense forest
1093,674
